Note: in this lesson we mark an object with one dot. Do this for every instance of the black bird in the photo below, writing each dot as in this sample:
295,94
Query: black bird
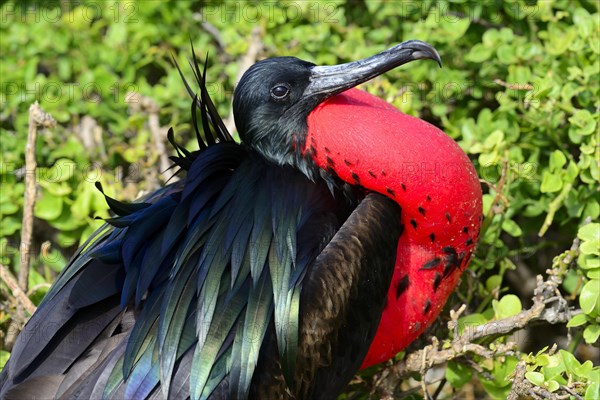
263,274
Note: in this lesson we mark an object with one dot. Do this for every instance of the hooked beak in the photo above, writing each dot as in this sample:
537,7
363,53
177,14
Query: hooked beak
327,81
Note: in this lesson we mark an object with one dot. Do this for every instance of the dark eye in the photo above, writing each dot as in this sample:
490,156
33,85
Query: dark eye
280,91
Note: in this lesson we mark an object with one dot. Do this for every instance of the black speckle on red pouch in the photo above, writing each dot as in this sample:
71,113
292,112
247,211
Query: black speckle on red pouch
437,279
449,267
449,250
434,262
427,306
402,286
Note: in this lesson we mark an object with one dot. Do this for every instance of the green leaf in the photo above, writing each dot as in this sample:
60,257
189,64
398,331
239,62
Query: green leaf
556,370
489,159
593,273
589,232
500,385
508,306
4,356
478,53
542,360
572,281
593,391
584,369
569,360
536,378
494,139
8,208
48,207
493,282
591,333
66,223
454,29
54,259
506,54
589,262
550,182
590,247
592,209
559,39
557,160
487,201
55,188
577,320
458,374
9,226
584,121
588,299
571,172
552,385
62,170
553,362
509,226
81,207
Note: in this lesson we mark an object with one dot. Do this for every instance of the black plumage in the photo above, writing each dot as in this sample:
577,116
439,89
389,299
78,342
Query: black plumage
246,279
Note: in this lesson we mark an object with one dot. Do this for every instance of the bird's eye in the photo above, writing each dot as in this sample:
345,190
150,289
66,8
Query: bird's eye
280,92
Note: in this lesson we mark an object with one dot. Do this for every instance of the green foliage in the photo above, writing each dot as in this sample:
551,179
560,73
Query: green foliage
508,306
3,357
551,370
519,91
589,297
501,373
458,374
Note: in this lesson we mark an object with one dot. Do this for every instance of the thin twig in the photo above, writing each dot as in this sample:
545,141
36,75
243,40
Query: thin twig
16,290
553,207
37,118
158,133
498,188
514,86
518,381
35,288
571,392
539,311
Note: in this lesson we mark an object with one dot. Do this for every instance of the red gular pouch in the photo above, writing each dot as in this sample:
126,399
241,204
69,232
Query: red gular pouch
368,142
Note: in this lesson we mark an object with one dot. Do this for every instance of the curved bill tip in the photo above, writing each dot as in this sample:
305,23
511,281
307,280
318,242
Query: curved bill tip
422,51
326,81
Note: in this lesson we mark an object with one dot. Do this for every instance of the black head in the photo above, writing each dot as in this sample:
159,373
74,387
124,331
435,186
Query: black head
270,107
272,101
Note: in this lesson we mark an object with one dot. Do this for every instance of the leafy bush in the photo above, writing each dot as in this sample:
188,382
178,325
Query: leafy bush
519,91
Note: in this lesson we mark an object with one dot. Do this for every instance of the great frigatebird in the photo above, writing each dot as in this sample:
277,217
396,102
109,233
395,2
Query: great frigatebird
328,239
